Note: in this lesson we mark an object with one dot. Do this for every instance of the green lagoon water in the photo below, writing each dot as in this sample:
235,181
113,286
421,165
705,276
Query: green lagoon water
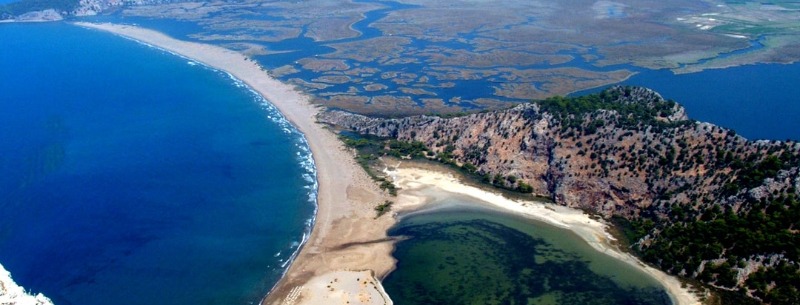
459,253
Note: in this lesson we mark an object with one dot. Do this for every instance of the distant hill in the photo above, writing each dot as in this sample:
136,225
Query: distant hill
694,199
24,6
50,10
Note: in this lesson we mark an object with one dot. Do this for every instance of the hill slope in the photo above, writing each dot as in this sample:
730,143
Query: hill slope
696,199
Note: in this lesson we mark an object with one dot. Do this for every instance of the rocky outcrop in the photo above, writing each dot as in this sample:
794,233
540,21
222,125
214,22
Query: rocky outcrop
40,16
598,164
627,152
44,11
11,293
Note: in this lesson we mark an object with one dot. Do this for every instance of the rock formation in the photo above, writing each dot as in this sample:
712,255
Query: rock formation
629,154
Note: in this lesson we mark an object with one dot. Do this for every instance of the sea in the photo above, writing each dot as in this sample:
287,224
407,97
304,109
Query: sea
134,176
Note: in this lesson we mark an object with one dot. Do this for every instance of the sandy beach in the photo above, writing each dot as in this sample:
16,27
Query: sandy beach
346,239
348,250
415,181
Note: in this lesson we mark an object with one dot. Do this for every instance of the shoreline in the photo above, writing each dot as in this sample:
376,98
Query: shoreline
13,293
345,240
348,250
413,180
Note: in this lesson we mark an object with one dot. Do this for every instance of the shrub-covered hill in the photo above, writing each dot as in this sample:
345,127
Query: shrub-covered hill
695,199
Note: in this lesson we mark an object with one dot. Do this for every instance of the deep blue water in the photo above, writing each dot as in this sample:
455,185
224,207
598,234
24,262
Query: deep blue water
758,101
130,176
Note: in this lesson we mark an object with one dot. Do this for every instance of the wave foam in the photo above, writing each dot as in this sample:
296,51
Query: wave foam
305,157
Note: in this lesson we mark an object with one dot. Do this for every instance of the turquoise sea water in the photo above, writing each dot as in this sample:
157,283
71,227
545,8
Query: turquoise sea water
133,176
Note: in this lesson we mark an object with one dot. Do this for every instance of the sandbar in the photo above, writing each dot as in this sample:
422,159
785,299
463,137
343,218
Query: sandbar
346,240
348,251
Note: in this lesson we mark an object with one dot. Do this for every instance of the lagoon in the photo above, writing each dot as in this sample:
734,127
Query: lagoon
459,252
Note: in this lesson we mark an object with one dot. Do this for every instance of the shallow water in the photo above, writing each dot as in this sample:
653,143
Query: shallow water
464,254
133,176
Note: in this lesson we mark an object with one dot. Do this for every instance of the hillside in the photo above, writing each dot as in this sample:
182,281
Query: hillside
694,199
25,6
53,10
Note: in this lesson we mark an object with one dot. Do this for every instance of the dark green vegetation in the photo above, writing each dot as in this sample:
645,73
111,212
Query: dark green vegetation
370,148
685,242
693,199
570,111
751,173
476,261
694,237
383,208
707,239
24,6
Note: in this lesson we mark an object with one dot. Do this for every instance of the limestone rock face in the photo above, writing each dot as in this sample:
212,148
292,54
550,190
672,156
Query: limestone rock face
44,15
597,160
627,152
11,293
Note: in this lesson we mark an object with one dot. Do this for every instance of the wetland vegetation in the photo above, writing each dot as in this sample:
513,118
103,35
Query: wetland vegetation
417,57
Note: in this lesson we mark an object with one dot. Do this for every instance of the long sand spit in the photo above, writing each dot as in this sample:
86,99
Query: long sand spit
345,239
348,249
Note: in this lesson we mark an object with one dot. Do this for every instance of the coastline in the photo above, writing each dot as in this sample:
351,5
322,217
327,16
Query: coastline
347,243
415,181
345,240
12,293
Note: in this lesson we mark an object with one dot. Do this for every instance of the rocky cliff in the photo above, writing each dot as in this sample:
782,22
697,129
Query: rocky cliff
628,153
11,293
55,10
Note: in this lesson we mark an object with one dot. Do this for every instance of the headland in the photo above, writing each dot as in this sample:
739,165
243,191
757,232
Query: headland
348,250
11,293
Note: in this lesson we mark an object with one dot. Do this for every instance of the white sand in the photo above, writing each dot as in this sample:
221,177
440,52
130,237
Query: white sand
345,235
344,287
413,181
